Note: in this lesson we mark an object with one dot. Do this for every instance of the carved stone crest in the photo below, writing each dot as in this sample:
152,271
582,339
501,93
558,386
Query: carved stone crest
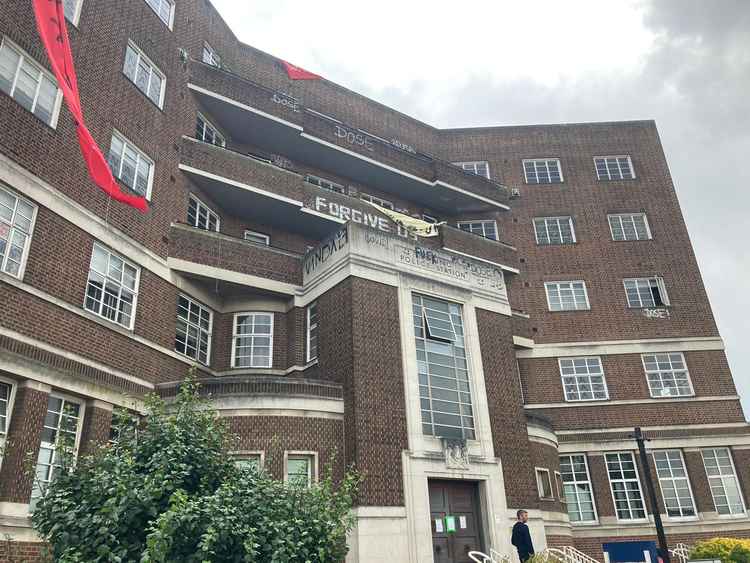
456,453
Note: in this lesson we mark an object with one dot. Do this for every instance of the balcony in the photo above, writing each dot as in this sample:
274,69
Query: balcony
255,115
475,246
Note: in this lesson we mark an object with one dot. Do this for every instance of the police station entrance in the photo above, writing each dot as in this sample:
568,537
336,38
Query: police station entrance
456,524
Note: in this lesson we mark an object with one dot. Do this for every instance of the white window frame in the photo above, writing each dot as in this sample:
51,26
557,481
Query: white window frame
313,467
377,201
472,165
660,285
559,486
620,217
673,479
154,69
200,306
257,234
309,330
558,219
557,283
29,235
8,413
536,173
235,336
76,16
24,56
106,276
325,184
590,490
670,371
209,213
539,484
479,222
213,55
637,479
722,477
241,455
207,124
576,375
171,3
619,168
141,155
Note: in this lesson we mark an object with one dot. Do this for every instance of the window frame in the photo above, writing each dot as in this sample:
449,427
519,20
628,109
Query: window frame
311,456
588,482
209,212
539,484
249,454
546,161
257,234
672,370
309,330
213,55
172,9
209,339
558,218
13,385
482,222
731,515
331,186
141,155
637,479
620,216
660,285
29,235
136,292
576,376
76,13
473,164
154,69
686,478
23,55
385,203
630,164
585,293
233,362
206,124
559,486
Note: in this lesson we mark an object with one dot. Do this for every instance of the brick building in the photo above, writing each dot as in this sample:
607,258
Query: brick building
497,366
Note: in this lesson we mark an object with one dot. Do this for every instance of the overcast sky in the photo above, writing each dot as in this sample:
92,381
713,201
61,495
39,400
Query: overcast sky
684,63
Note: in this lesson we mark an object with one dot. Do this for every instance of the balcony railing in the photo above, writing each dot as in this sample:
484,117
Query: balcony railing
502,253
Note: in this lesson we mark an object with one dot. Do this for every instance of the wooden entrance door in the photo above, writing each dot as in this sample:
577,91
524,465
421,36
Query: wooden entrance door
459,499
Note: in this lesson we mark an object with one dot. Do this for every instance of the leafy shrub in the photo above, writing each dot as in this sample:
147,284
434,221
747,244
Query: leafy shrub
729,550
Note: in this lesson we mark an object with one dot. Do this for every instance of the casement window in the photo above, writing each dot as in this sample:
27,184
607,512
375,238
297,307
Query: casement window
554,230
543,483
252,342
144,74
577,486
559,486
201,216
17,217
312,331
164,9
674,484
250,460
112,288
6,406
722,478
72,9
24,80
194,324
210,56
256,237
646,292
626,488
486,229
444,389
300,469
567,296
629,226
480,168
377,201
206,132
130,165
542,171
667,375
62,427
614,167
583,379
331,186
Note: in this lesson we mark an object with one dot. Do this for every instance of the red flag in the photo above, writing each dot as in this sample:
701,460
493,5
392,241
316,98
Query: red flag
297,73
50,21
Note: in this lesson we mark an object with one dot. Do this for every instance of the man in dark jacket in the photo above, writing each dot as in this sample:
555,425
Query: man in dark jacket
521,537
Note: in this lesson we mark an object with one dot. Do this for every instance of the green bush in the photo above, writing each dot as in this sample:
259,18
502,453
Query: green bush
729,550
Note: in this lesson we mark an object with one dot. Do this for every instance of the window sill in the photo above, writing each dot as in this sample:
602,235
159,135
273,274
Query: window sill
142,93
587,524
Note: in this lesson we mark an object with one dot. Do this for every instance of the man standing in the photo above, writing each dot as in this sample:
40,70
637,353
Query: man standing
521,537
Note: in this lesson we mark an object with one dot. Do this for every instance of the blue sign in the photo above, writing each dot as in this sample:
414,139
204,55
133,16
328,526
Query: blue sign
630,552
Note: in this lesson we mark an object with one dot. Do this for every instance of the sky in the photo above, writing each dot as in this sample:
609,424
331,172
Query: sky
684,63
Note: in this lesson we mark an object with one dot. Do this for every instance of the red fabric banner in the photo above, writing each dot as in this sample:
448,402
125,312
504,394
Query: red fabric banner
297,73
50,21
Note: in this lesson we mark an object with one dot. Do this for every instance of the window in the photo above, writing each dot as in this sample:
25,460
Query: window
131,166
330,186
559,486
193,336
259,238
112,288
480,168
252,342
252,461
6,390
629,226
26,82
312,331
567,296
299,470
164,9
543,171
206,132
72,10
626,489
722,478
667,375
577,487
201,216
144,74
554,230
543,483
16,225
444,390
646,292
674,484
486,229
583,379
614,168
377,201
62,424
210,56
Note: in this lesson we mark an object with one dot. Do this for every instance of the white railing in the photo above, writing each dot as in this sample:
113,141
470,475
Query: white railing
498,557
681,552
568,554
494,557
